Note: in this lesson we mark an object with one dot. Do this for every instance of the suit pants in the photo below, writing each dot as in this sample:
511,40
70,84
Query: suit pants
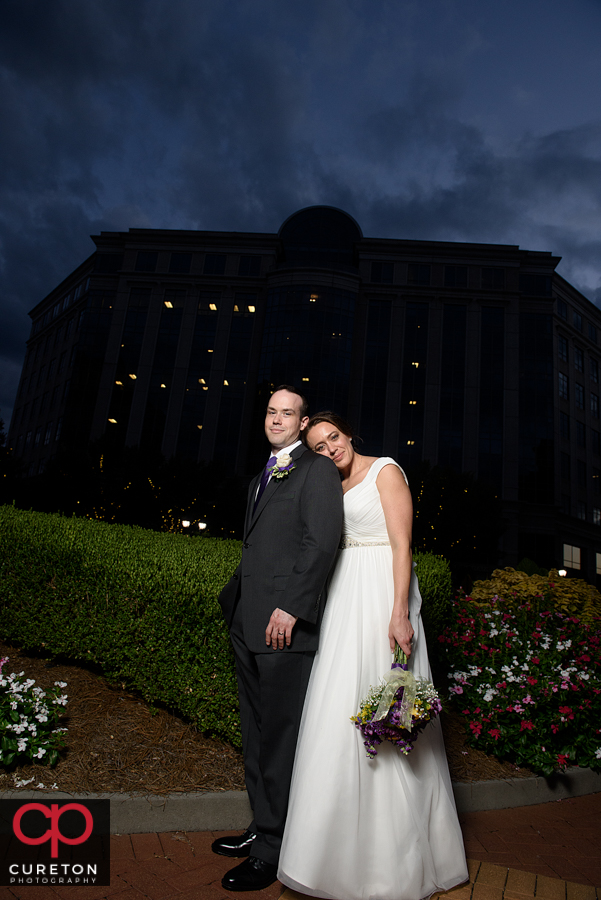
271,689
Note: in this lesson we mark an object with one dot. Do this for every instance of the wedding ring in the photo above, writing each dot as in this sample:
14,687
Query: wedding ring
280,632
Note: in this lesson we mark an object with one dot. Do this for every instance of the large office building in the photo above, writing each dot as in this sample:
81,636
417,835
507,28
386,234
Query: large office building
479,357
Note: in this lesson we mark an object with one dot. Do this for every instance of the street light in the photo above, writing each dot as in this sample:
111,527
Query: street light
185,523
562,572
202,526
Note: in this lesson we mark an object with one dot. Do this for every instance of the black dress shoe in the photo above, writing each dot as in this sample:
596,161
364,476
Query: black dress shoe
251,875
236,845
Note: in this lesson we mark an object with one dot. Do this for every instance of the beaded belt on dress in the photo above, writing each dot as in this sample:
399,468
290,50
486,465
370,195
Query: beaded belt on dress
346,542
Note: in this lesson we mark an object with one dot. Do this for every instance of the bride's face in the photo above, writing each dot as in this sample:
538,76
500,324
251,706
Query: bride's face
326,439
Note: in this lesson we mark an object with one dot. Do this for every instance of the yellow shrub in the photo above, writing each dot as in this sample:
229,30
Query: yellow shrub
571,596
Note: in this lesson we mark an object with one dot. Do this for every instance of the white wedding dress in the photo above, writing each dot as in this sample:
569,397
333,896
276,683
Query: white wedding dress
360,829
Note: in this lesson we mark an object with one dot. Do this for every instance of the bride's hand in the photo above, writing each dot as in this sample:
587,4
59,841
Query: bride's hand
400,631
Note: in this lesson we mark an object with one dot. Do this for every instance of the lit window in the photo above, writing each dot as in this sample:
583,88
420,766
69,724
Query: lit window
201,381
413,403
571,556
120,383
416,364
251,308
313,298
213,306
168,304
236,309
132,376
163,385
410,443
199,427
305,379
113,421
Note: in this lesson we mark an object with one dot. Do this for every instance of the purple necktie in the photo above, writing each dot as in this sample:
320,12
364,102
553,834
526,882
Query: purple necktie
264,479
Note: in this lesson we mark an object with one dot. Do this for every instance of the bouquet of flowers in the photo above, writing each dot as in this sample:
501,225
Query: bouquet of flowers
397,709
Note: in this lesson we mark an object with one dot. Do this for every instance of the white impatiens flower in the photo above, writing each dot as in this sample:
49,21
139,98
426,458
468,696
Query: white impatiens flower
41,752
598,752
490,694
21,745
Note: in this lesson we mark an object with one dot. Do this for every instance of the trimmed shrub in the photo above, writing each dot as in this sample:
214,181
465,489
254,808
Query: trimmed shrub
434,578
570,596
140,604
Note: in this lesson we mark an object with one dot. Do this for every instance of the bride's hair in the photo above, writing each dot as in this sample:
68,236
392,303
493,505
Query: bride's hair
333,419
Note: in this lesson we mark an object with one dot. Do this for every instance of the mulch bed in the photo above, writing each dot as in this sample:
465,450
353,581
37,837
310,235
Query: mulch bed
117,742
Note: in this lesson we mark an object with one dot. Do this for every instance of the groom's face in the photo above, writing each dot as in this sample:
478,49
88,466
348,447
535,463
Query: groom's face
283,422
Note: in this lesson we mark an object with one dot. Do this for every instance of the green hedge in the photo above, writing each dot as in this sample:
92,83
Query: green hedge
434,579
142,605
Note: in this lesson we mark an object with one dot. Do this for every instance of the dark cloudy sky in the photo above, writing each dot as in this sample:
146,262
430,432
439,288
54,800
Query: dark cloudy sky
439,119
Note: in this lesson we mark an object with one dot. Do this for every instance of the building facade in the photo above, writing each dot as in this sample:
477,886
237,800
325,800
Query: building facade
479,357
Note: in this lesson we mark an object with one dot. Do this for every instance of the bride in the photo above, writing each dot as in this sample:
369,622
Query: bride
360,829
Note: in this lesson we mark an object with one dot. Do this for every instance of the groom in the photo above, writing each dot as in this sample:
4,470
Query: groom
273,606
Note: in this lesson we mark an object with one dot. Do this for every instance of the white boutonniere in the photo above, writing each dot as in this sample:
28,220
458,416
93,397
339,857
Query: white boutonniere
282,467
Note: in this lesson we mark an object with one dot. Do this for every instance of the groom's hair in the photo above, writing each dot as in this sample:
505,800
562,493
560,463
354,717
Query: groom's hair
304,410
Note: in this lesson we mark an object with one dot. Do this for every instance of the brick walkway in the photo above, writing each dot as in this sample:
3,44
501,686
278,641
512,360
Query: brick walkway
516,854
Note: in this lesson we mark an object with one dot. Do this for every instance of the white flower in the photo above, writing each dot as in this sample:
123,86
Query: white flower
283,462
41,752
598,753
41,717
61,684
490,694
22,783
21,745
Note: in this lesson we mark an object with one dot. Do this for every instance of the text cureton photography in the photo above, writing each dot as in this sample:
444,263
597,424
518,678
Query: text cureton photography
54,842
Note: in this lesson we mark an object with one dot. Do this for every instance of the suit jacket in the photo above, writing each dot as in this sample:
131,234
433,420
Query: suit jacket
290,542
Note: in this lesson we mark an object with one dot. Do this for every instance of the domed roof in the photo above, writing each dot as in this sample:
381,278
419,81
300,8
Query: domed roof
321,236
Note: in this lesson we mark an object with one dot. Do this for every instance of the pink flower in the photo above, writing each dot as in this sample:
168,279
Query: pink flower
495,733
525,724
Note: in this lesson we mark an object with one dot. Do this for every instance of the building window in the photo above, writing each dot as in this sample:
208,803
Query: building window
69,327
562,348
38,435
594,370
146,260
564,465
565,504
562,309
214,264
578,359
27,440
563,386
51,368
577,321
44,402
418,274
564,426
55,392
598,562
581,511
59,426
47,434
250,266
580,434
536,285
595,406
596,442
455,276
596,515
179,263
579,396
493,278
581,474
62,362
592,333
571,556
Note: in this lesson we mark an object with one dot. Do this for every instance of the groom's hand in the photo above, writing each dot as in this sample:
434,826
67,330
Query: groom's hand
279,629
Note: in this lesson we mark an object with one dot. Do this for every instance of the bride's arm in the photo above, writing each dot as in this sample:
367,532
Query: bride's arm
398,511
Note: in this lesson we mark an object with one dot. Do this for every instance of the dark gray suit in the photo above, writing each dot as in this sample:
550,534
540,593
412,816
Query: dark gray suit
290,542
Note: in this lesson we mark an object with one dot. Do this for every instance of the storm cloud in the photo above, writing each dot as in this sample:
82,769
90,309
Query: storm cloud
440,120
